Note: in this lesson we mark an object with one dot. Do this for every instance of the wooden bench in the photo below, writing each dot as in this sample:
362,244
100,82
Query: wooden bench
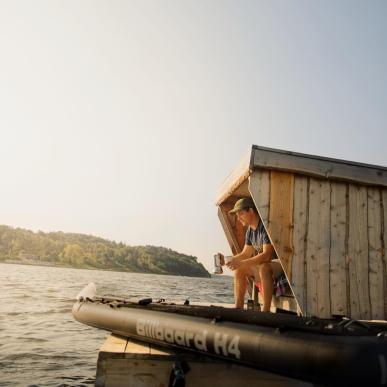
286,302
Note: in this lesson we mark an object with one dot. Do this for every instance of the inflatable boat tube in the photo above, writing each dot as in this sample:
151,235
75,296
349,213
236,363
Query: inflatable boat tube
329,352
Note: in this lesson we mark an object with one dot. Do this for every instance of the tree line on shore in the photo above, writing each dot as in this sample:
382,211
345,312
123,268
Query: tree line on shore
88,251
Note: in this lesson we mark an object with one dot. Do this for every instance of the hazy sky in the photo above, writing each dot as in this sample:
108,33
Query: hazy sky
122,118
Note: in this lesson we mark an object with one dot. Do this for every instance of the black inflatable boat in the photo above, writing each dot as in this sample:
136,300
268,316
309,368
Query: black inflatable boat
330,352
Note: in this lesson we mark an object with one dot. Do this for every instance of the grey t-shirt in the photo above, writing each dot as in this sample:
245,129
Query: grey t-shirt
257,238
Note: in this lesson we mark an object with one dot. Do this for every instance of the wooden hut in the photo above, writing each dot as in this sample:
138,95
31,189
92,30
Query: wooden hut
327,220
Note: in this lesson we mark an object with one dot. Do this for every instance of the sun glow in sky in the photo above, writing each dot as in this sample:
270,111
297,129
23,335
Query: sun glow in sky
122,118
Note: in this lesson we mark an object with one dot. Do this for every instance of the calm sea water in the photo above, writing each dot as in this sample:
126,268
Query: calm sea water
40,342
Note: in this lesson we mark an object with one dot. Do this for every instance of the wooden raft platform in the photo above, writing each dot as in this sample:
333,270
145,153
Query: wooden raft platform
124,362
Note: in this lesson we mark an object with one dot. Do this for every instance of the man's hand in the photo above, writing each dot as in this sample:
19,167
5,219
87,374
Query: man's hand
235,263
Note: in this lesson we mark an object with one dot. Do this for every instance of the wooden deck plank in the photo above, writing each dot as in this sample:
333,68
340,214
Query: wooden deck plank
384,247
320,167
114,343
300,214
137,347
376,273
151,366
234,179
318,249
358,253
280,227
227,228
338,273
239,232
259,187
242,190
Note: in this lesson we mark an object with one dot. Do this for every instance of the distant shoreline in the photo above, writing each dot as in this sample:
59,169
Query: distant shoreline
47,264
81,251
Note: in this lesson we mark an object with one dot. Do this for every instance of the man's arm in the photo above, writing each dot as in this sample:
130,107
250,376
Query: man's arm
246,253
265,256
244,257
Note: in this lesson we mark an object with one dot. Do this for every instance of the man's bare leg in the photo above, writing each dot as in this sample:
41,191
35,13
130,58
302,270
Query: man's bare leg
266,273
240,286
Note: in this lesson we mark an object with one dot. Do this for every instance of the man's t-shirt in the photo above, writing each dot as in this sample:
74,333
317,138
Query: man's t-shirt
257,238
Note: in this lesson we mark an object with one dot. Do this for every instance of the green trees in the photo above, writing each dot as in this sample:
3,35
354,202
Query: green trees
88,251
73,255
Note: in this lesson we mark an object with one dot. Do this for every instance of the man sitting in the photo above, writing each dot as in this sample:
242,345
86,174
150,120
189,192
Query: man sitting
256,259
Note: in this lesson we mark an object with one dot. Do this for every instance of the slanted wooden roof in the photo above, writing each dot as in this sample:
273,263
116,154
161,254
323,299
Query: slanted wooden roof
310,165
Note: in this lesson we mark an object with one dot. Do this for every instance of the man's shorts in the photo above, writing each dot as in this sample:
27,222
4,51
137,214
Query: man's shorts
276,267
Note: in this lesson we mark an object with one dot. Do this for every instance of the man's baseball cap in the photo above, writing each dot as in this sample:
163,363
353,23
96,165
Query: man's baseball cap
243,204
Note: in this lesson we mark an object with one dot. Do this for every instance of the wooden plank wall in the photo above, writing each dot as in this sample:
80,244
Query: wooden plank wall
259,187
228,230
331,238
281,216
318,249
234,230
300,221
337,257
